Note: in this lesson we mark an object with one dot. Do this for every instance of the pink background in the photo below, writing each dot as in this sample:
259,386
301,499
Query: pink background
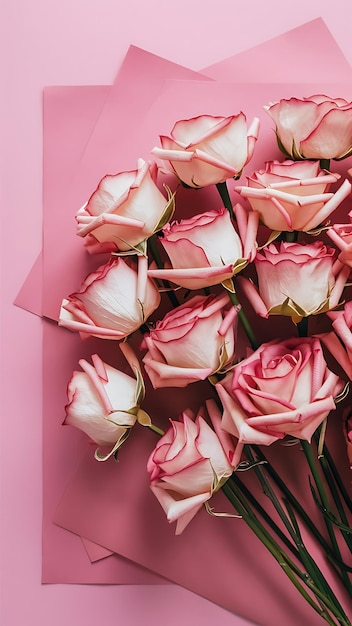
77,43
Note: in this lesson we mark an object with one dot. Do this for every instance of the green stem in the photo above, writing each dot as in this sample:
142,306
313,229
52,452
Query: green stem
292,527
267,541
287,565
303,331
307,449
266,517
291,236
336,497
291,498
225,197
244,321
337,477
269,492
157,258
325,164
155,429
302,327
315,571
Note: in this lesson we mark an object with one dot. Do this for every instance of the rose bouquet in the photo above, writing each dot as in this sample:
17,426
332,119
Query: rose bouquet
251,296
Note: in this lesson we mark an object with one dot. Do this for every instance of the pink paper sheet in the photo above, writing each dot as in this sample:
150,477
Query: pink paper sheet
208,558
95,551
307,53
333,54
58,168
113,505
263,63
64,559
112,147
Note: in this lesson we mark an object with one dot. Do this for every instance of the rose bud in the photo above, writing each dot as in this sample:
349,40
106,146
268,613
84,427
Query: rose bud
293,195
125,210
192,342
317,127
190,463
207,150
296,280
102,402
206,250
112,302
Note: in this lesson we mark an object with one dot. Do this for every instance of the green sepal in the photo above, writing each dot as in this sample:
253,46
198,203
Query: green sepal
343,394
244,466
223,359
140,249
295,154
142,311
281,146
132,411
140,387
289,308
346,154
169,209
240,265
143,418
228,285
211,511
218,481
274,235
315,232
99,457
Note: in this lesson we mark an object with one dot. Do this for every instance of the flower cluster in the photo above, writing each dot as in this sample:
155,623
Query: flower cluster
274,246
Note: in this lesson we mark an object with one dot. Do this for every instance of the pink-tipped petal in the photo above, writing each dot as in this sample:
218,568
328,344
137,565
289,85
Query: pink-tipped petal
253,296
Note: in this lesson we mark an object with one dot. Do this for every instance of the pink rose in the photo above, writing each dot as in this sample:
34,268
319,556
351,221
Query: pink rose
296,280
283,388
190,463
207,150
125,209
342,325
293,195
206,250
192,342
103,403
339,341
347,426
317,127
112,302
341,235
